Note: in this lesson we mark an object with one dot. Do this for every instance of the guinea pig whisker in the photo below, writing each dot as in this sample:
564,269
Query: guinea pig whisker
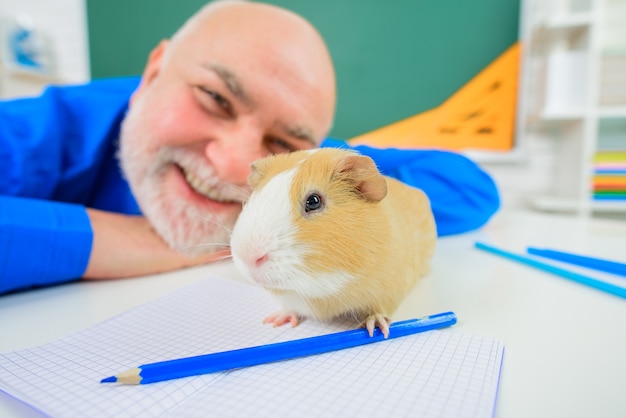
243,193
215,260
204,244
207,244
218,259
210,249
213,221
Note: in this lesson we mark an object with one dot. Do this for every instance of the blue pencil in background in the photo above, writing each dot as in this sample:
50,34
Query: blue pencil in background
567,274
599,264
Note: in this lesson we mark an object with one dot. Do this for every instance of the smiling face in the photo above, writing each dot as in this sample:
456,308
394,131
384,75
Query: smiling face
238,82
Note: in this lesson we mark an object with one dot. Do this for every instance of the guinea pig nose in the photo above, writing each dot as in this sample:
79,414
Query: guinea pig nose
260,260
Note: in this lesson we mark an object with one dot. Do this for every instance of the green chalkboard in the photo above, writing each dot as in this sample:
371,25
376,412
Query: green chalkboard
393,58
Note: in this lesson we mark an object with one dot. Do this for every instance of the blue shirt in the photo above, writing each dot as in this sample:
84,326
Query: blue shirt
58,157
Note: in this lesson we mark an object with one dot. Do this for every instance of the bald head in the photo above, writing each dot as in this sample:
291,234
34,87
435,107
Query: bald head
261,37
239,15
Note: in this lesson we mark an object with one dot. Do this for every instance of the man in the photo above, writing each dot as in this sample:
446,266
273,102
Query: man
237,82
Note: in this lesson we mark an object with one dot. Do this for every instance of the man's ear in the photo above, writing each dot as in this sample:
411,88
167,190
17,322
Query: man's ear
153,66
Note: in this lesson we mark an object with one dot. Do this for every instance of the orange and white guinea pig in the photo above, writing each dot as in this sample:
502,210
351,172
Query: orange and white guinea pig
330,237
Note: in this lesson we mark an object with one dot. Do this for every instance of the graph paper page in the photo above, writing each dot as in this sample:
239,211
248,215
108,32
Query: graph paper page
437,373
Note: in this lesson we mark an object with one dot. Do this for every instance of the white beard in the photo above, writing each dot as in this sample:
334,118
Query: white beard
184,226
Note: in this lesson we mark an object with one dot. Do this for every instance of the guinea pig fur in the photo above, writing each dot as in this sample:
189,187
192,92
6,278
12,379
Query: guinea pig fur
330,237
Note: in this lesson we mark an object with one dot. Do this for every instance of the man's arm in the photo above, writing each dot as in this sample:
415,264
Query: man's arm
44,243
41,242
126,246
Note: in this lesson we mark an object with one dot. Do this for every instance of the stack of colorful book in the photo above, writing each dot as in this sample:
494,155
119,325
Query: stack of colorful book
609,180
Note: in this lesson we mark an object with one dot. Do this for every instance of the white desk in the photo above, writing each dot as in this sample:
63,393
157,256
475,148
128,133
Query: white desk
565,343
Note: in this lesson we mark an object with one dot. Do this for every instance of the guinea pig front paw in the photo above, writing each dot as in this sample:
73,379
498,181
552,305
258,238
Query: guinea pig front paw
382,321
281,318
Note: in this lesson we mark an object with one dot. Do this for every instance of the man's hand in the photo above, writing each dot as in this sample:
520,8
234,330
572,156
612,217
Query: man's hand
125,246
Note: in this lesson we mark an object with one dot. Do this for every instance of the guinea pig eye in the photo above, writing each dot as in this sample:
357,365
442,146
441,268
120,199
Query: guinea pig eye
313,202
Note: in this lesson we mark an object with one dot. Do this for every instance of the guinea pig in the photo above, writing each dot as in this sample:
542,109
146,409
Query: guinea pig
331,237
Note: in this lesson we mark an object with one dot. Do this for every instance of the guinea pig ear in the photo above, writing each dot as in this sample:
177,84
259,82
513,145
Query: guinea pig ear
257,172
368,180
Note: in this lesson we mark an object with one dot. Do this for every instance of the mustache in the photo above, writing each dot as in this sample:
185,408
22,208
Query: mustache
199,174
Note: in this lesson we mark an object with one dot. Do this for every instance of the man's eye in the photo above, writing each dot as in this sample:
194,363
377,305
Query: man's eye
218,99
279,146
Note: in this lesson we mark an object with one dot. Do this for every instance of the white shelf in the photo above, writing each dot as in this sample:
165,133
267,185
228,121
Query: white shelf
495,157
570,20
577,114
608,206
612,112
566,204
555,204
562,25
17,81
560,90
563,115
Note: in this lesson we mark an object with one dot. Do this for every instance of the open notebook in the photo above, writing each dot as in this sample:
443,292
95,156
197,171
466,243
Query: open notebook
438,373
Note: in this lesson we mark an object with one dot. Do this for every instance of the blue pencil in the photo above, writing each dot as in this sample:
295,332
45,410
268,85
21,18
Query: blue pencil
579,278
252,356
590,262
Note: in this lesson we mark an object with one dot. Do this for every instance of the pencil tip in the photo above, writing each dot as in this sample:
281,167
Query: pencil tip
110,379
